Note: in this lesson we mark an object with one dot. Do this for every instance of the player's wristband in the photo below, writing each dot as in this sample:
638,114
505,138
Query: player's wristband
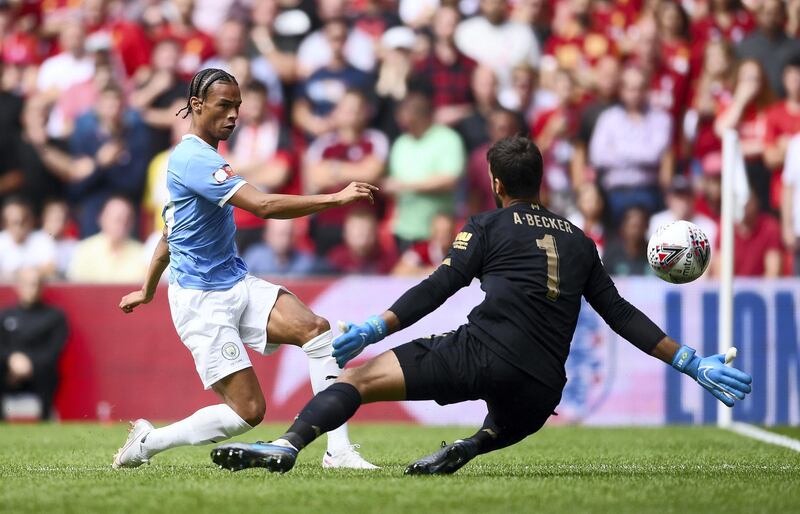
684,361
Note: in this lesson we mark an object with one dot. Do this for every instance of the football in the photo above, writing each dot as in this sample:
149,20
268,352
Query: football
679,252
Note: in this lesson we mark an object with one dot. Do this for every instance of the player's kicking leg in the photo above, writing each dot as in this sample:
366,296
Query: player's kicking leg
380,379
292,322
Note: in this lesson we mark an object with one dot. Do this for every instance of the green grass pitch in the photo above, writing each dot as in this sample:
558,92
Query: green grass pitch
65,468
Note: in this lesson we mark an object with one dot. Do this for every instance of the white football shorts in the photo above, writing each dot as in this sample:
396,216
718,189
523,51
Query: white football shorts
217,325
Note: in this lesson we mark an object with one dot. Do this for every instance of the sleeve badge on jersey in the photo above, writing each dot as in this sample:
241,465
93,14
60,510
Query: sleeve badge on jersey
223,174
462,240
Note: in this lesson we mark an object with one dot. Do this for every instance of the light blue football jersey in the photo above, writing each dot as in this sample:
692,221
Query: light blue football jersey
200,228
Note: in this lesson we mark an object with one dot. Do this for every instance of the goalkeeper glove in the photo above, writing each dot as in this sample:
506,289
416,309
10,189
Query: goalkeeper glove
356,337
724,382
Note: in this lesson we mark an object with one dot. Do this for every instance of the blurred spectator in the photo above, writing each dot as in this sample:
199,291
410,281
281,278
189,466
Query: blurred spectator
352,152
393,77
769,44
574,43
525,96
668,75
425,256
230,42
156,195
20,245
317,49
361,252
56,224
626,255
425,164
480,194
448,69
265,40
277,253
605,89
58,73
713,89
31,152
258,150
630,147
681,206
375,18
12,177
747,113
160,93
418,13
555,131
589,216
32,335
790,201
757,249
325,87
127,40
174,20
493,40
473,127
80,98
782,123
111,256
726,20
709,202
117,142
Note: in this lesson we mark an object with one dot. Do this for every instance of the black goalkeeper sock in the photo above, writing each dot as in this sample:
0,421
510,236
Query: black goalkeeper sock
327,411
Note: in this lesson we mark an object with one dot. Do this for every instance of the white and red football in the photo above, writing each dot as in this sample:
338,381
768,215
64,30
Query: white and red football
679,252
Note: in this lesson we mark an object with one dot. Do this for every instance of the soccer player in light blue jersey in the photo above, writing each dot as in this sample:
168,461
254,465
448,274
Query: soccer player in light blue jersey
217,308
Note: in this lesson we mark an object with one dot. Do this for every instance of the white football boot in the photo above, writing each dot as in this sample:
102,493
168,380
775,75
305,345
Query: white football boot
347,458
132,455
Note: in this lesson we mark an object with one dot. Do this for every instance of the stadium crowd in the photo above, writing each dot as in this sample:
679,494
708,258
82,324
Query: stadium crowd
627,100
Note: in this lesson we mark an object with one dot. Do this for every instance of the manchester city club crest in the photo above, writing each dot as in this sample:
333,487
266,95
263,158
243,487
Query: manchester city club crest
230,351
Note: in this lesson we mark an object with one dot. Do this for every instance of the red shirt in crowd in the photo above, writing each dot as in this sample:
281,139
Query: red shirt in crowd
752,126
128,40
197,47
379,262
451,82
749,250
707,29
574,47
706,140
615,17
331,147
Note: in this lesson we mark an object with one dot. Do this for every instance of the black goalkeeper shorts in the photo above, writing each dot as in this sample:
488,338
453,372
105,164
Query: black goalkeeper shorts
456,367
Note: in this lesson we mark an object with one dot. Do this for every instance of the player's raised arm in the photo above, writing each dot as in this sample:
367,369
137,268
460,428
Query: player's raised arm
725,383
158,264
266,205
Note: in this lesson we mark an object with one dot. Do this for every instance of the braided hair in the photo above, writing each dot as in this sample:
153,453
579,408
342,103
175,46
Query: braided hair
201,83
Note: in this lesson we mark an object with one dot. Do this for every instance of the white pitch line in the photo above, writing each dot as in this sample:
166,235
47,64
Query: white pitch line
765,436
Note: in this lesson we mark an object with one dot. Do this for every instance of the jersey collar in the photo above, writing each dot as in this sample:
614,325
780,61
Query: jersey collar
195,136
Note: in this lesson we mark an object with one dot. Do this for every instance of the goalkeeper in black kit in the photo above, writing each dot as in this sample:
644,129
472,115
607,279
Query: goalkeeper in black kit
534,267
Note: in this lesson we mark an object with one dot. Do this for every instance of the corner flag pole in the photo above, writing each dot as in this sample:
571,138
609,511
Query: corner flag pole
730,165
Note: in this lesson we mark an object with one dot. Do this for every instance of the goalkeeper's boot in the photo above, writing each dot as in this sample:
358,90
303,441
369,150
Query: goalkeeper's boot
132,454
449,459
238,456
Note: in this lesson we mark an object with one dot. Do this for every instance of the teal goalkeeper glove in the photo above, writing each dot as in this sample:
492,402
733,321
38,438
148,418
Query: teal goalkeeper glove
356,337
725,383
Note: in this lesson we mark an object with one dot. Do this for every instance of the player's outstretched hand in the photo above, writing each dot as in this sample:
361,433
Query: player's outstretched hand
355,192
356,337
132,300
726,383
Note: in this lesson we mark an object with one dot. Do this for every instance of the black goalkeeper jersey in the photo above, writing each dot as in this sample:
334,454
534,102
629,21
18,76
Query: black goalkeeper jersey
534,267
